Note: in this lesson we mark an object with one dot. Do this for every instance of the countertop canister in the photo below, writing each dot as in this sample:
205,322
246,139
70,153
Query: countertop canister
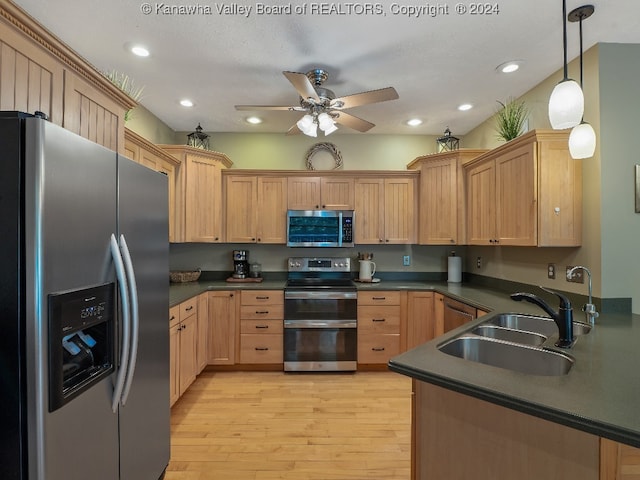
454,268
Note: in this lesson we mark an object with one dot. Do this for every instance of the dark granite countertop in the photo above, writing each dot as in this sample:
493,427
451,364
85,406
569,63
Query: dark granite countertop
599,395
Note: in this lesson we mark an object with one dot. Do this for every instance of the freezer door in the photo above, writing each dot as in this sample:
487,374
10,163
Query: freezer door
144,418
70,213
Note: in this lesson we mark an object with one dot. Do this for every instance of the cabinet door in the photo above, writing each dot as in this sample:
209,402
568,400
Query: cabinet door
30,79
222,328
399,211
169,170
481,204
438,315
420,322
516,197
188,349
272,210
174,359
203,199
240,202
337,193
369,223
303,193
202,331
91,114
439,202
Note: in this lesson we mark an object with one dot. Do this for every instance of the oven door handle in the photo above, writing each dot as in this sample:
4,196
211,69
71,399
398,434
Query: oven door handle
320,323
328,295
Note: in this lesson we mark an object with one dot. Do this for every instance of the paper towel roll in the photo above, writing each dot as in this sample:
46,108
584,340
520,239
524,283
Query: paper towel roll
455,269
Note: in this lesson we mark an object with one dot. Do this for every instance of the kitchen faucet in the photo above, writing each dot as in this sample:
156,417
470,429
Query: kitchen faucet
563,317
589,308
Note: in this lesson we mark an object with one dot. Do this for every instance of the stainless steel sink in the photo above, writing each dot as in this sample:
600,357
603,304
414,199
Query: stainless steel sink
508,334
518,357
531,323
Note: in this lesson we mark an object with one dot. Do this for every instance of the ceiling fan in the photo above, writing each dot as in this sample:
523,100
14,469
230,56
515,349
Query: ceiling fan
321,106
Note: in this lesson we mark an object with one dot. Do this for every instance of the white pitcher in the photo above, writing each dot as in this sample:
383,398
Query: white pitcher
367,270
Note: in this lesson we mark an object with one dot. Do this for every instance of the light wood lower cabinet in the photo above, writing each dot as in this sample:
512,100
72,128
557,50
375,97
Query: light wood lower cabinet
420,318
451,314
183,334
202,352
379,325
261,326
223,309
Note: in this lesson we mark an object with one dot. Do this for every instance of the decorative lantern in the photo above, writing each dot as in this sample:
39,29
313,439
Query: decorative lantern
198,139
447,142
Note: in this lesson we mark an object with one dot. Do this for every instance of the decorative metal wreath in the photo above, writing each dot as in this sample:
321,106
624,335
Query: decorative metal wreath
329,147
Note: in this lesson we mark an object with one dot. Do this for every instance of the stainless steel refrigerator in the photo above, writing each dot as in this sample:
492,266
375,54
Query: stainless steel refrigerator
84,348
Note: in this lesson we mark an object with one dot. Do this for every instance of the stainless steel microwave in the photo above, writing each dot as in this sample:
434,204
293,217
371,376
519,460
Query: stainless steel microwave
320,228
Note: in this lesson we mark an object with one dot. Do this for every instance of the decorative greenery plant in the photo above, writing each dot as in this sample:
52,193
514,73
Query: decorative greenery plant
127,85
510,118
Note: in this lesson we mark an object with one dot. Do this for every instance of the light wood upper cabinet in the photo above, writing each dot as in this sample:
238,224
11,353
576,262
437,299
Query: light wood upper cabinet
255,208
144,152
385,210
526,192
38,72
198,193
442,201
313,193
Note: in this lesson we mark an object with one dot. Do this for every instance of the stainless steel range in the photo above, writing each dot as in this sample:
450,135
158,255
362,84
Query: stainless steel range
320,315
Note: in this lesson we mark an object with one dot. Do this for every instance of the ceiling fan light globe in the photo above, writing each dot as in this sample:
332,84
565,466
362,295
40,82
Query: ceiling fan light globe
582,141
330,129
305,122
566,105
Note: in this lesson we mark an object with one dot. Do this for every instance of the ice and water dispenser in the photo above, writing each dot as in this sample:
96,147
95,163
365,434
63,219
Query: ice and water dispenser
81,341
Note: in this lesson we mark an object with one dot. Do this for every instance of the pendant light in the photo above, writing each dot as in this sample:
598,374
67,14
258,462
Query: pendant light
582,141
566,104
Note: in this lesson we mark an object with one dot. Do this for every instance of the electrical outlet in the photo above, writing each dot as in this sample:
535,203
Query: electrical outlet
551,270
576,277
406,260
479,262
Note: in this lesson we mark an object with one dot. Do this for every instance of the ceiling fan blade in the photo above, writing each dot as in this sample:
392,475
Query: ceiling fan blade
302,84
294,130
364,98
354,122
264,107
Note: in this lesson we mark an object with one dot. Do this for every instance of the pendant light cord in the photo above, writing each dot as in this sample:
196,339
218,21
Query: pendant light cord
564,38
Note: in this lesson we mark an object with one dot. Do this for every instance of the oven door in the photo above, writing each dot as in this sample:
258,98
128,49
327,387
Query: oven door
320,304
329,345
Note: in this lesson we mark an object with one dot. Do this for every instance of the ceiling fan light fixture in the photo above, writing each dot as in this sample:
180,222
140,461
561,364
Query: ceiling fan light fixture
312,130
330,129
305,122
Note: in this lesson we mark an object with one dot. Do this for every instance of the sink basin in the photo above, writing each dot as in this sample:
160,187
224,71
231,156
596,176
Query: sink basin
531,323
511,356
510,335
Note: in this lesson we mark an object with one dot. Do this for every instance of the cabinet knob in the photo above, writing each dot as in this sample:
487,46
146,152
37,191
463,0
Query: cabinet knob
380,240
231,294
253,239
452,240
216,239
317,206
387,240
259,239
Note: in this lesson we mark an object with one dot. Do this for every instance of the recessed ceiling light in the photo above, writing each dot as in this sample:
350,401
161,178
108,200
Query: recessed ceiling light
140,51
254,120
186,103
464,107
509,67
414,122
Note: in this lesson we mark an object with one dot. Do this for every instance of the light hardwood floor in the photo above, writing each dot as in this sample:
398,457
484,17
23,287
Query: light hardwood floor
272,425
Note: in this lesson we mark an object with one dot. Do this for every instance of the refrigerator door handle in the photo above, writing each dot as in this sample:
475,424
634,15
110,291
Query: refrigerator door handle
135,317
126,323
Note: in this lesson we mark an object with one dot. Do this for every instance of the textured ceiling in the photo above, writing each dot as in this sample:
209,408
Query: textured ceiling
225,54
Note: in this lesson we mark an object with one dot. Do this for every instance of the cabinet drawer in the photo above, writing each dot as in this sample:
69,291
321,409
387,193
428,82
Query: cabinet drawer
261,326
262,311
174,316
257,348
262,297
377,348
188,308
379,298
378,319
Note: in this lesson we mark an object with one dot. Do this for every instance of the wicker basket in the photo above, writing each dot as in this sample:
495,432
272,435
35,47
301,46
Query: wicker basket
184,276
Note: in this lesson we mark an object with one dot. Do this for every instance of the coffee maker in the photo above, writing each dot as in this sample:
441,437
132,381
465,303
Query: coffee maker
240,264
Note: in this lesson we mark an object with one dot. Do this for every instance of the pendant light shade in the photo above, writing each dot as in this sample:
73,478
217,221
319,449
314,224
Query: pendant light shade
566,105
582,141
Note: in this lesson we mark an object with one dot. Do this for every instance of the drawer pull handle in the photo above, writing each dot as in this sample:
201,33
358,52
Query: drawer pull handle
262,298
189,308
262,349
378,349
378,298
378,319
173,317
262,312
262,326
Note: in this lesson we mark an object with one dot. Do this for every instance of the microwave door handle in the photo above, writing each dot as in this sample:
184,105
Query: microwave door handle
135,317
124,298
340,227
